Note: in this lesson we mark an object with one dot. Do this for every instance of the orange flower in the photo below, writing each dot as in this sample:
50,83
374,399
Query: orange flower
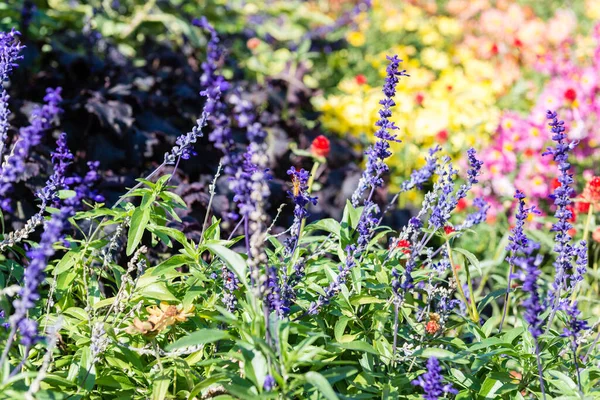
596,235
433,325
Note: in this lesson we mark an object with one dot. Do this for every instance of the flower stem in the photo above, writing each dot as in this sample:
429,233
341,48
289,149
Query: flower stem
459,286
511,270
539,365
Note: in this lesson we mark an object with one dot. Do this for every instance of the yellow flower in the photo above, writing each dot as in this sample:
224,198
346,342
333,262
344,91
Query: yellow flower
356,38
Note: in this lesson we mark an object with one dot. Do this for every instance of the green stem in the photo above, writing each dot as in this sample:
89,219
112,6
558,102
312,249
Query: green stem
459,286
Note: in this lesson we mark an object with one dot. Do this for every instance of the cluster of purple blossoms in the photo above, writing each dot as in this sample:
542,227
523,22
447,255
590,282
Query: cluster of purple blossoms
269,383
301,198
288,294
30,136
432,383
517,240
447,200
377,153
10,48
476,217
565,277
574,325
422,175
214,86
335,286
84,187
376,156
530,267
38,256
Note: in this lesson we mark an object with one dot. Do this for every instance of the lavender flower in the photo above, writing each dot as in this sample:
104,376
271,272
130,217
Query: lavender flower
269,383
335,286
301,198
38,256
431,381
562,199
215,85
533,306
519,249
377,153
575,325
9,55
84,187
420,176
448,201
476,217
30,136
230,285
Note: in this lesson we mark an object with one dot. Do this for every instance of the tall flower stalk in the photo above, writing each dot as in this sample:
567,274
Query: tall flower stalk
518,243
565,276
39,255
10,49
432,381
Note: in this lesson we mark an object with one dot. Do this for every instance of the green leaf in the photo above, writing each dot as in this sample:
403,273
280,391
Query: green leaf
358,346
233,260
139,220
328,225
471,257
202,336
160,386
321,384
158,291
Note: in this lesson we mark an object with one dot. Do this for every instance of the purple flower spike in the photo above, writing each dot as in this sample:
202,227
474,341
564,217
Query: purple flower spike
301,198
335,286
431,381
29,137
10,48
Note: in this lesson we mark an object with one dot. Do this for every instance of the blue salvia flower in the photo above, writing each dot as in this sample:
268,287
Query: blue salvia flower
378,152
574,325
335,286
519,247
214,87
288,294
84,187
562,199
422,175
533,306
477,217
38,256
10,50
301,198
30,136
273,293
269,383
376,156
447,200
432,381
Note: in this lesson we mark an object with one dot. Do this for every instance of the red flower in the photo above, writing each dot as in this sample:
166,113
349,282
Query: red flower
570,94
593,187
419,98
494,49
405,245
442,135
518,43
320,147
555,184
361,79
462,204
582,207
573,214
448,229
